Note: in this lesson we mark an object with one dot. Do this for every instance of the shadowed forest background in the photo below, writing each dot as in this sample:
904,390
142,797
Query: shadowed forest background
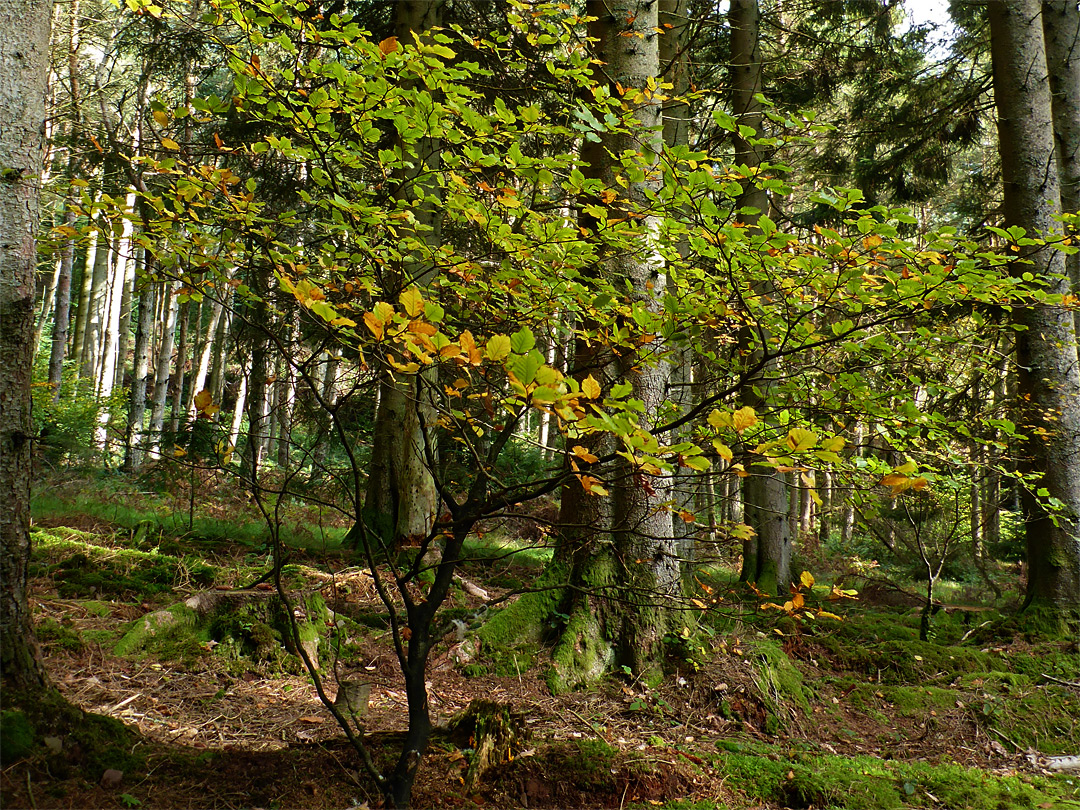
625,403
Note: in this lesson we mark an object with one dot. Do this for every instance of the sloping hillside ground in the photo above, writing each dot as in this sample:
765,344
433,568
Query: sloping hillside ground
758,710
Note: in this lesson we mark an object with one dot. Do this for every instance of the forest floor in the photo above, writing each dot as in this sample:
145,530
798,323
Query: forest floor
756,711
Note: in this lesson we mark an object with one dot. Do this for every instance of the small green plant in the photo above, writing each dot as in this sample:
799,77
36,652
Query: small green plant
128,800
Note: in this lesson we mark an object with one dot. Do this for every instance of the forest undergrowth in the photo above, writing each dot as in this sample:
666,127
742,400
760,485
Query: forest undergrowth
757,709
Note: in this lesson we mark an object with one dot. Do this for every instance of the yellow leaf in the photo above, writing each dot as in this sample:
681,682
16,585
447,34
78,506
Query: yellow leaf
871,241
905,469
584,454
800,439
169,143
412,302
202,400
740,470
807,579
833,444
498,347
743,418
720,419
722,450
508,197
388,45
699,603
590,387
384,311
161,117
422,328
798,600
408,368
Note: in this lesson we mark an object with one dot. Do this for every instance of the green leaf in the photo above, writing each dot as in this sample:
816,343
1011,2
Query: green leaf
522,341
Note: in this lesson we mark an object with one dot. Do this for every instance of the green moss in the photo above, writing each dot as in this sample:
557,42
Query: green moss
82,568
16,736
164,632
780,682
582,655
52,633
526,619
99,609
90,742
866,783
914,661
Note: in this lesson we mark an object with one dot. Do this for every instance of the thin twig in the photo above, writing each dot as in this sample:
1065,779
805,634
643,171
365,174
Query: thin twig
1073,684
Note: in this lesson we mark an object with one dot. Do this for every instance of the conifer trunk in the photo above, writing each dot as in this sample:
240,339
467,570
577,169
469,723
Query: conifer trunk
24,65
1061,30
1048,378
765,493
619,553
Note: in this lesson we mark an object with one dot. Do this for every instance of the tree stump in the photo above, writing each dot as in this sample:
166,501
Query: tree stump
491,730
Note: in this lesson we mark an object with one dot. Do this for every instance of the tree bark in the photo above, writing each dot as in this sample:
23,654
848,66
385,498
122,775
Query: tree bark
401,500
1061,31
765,492
62,310
136,436
162,367
1049,381
621,591
96,312
24,67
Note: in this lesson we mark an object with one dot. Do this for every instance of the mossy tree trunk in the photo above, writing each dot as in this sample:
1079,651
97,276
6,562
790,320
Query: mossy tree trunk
401,501
1048,377
1061,29
620,553
767,561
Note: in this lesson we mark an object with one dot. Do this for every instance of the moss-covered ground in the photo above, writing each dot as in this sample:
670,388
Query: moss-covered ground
757,709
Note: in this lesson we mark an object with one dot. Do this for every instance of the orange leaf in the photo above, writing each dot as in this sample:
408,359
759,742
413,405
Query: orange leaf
374,324
584,454
388,45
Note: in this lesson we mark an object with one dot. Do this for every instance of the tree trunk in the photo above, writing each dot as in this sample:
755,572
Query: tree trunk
144,331
1049,381
170,305
766,492
86,262
24,67
96,312
176,384
62,310
401,500
329,396
1061,30
621,591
